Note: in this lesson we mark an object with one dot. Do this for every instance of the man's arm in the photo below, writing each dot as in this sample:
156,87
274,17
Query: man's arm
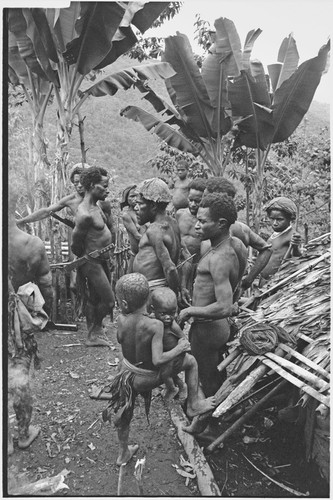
158,356
44,212
82,225
223,306
155,237
264,254
44,278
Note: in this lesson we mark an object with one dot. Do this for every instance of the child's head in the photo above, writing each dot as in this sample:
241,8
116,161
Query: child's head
281,211
164,303
182,169
132,292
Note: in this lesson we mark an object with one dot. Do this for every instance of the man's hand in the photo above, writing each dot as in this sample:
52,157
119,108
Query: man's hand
183,316
185,297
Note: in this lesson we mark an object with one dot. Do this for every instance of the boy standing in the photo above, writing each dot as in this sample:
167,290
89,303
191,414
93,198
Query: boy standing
180,188
285,244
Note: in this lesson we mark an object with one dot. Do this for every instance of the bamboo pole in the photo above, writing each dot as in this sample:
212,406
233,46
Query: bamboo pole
295,381
244,418
305,360
299,371
205,479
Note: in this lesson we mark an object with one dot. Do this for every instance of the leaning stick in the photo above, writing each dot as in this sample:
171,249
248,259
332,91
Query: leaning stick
205,479
299,371
298,383
233,355
291,490
244,418
305,360
120,479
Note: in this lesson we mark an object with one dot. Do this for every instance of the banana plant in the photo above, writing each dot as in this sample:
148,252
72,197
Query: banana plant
231,100
55,49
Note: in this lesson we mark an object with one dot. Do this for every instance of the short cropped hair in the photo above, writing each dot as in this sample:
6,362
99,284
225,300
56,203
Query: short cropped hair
183,163
162,296
133,288
78,168
91,176
220,206
198,184
220,185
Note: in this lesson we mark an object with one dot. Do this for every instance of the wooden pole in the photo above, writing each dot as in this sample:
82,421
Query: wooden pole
244,418
205,479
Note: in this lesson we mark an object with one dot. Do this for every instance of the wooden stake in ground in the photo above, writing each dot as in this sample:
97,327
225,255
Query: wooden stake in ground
138,470
206,482
120,479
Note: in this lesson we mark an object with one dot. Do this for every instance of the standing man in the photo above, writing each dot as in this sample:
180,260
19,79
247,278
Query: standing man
285,243
92,233
243,232
181,186
219,272
187,219
159,247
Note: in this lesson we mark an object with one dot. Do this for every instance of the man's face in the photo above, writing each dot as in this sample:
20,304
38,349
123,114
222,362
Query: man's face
194,199
77,184
143,210
131,198
182,172
278,220
205,227
101,189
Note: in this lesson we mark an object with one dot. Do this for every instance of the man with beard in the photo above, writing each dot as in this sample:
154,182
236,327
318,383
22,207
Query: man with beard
92,233
159,247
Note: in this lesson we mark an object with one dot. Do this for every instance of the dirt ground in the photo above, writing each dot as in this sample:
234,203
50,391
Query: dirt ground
74,437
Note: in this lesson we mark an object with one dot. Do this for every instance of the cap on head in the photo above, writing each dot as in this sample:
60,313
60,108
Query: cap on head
134,289
154,190
284,204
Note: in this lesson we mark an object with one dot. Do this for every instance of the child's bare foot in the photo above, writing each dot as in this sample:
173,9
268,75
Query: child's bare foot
200,406
123,459
196,426
34,430
182,394
170,393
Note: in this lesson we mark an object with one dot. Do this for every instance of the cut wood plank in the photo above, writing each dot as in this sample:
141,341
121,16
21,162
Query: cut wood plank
206,481
295,381
305,360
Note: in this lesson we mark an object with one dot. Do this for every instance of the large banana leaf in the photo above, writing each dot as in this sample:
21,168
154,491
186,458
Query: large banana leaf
62,24
292,100
100,23
256,131
160,128
191,93
248,46
144,18
228,46
126,78
287,63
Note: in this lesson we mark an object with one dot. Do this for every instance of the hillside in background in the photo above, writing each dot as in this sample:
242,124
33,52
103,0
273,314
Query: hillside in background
118,144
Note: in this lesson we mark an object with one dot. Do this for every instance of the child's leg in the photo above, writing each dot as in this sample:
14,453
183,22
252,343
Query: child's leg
170,390
178,381
196,402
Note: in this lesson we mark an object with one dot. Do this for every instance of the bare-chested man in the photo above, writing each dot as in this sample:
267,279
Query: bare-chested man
243,232
285,243
219,272
141,339
92,233
71,201
187,219
133,228
27,261
180,187
159,247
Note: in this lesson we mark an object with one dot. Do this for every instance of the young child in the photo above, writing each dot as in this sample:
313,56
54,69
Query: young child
141,340
164,306
285,243
181,186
